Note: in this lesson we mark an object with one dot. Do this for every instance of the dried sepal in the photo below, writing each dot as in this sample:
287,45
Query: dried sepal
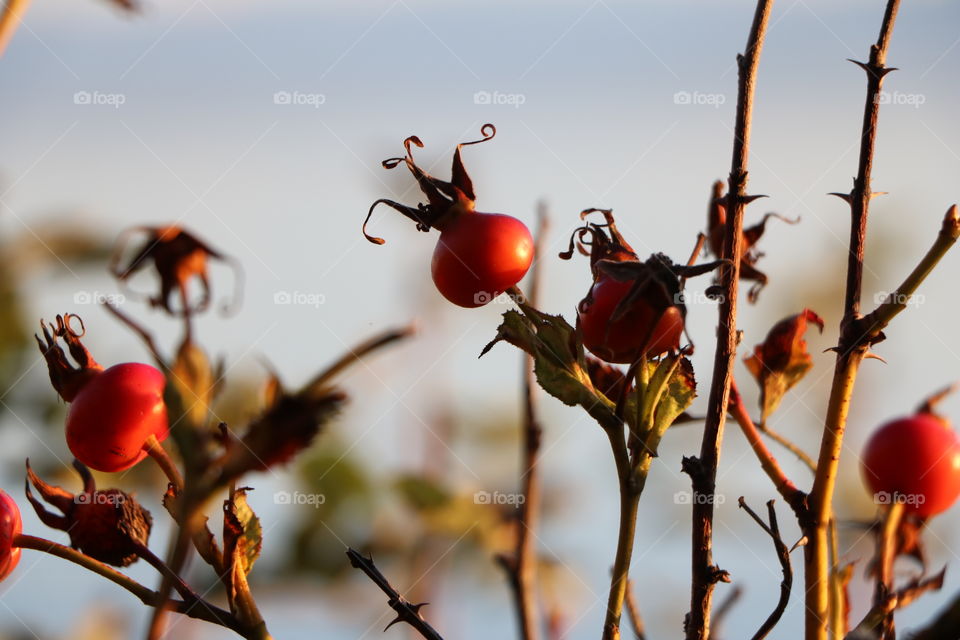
442,196
782,359
108,525
67,378
178,257
716,230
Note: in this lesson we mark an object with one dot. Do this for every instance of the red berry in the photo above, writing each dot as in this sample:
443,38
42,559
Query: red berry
479,256
914,460
642,328
10,527
114,413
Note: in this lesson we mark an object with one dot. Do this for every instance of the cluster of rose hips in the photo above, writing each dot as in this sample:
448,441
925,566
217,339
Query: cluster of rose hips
116,414
635,310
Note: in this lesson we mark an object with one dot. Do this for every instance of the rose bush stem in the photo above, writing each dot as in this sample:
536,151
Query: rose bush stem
631,480
703,471
10,17
156,451
201,610
523,566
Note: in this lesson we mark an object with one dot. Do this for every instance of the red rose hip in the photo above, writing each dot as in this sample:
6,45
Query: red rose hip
10,527
916,461
114,413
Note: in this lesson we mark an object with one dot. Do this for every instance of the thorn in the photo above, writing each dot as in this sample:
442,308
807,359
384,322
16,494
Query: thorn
392,622
862,65
802,542
878,193
843,196
749,199
872,356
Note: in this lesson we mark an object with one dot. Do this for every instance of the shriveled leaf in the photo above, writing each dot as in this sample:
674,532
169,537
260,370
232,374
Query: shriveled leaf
559,362
282,431
242,533
782,359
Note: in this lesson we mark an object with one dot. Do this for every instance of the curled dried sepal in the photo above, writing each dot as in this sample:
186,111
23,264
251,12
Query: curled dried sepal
716,228
929,405
108,525
178,257
599,241
782,359
658,280
633,308
66,378
442,196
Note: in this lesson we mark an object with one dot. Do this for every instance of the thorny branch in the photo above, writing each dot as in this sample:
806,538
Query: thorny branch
703,470
406,612
851,349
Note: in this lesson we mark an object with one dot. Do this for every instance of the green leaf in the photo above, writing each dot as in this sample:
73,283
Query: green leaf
670,392
559,362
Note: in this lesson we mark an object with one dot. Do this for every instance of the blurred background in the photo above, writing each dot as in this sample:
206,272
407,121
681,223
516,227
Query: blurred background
261,126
